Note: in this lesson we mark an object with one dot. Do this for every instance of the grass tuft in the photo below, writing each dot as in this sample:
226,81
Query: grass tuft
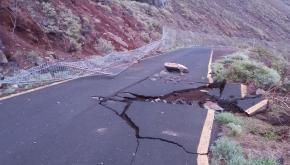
226,118
262,160
267,134
104,45
235,129
229,152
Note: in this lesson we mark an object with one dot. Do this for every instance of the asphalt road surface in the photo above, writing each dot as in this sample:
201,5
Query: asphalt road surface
66,125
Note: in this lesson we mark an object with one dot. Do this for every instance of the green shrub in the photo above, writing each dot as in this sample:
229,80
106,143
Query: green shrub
227,150
262,160
237,160
286,85
104,45
219,69
235,129
61,20
270,135
48,9
218,72
230,153
34,58
146,37
239,67
275,60
251,71
226,118
267,133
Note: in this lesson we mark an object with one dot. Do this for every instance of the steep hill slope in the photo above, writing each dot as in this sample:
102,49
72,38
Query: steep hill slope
267,19
68,29
35,31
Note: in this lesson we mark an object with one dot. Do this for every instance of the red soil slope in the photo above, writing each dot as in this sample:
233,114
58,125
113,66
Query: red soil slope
67,29
32,31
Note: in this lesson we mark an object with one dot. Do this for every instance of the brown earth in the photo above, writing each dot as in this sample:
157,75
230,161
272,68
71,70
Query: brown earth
268,132
262,139
23,29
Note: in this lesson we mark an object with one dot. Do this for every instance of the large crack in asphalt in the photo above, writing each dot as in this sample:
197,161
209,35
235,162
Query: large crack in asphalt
187,96
128,121
128,101
136,129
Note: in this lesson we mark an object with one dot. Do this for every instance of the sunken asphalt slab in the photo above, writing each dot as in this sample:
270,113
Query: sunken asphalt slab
63,124
180,124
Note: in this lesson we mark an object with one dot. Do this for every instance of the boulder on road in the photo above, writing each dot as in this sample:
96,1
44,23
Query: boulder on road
175,67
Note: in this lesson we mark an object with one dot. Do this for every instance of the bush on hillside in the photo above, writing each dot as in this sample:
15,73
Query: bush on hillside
226,118
274,60
235,129
239,67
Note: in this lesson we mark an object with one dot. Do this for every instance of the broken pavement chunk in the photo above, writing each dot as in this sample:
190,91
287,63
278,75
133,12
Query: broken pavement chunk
261,106
212,106
253,105
228,91
232,91
185,121
126,95
215,92
175,67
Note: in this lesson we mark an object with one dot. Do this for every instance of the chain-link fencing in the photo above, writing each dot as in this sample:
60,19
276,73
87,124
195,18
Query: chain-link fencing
116,62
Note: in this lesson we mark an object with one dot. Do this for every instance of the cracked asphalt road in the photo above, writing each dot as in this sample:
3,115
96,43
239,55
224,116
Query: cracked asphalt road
65,125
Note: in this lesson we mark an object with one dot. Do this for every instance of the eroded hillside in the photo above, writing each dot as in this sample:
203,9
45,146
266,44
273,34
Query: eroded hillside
69,29
37,31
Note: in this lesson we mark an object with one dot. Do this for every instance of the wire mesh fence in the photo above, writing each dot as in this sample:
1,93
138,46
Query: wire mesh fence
111,64
116,62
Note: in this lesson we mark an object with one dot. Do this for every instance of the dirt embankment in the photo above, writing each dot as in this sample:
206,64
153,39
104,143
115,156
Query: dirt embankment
35,31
